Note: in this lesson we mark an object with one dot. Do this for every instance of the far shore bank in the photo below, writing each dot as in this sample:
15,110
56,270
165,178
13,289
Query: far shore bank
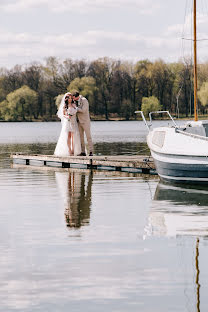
102,118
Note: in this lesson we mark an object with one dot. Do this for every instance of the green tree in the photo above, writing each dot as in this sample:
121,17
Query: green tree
163,83
126,109
4,111
120,86
100,70
19,105
58,100
85,85
150,104
51,86
144,83
12,79
33,78
203,94
185,74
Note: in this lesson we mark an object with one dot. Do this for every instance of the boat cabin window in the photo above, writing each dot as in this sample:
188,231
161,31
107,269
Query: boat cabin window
158,138
206,129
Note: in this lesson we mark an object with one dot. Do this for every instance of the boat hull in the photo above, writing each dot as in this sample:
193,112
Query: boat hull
181,169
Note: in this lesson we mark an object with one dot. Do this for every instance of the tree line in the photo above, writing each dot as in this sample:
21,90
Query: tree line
114,88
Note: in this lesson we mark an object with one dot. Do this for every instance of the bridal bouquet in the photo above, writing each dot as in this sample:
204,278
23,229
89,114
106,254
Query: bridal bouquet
71,111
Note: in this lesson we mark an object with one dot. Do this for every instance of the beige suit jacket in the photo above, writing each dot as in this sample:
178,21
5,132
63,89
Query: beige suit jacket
83,111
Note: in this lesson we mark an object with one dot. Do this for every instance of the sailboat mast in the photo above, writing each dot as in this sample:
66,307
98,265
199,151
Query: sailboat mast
195,66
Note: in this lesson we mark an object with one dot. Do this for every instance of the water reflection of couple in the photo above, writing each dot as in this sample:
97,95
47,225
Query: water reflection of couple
74,114
76,190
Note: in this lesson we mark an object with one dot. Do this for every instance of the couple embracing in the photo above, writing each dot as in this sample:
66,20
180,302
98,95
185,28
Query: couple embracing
75,119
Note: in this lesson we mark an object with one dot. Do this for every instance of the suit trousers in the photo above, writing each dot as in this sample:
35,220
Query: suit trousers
85,127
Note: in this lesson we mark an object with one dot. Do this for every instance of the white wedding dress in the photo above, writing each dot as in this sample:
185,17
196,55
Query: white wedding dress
62,148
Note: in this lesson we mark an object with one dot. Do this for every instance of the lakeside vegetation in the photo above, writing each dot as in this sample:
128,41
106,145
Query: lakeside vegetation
115,89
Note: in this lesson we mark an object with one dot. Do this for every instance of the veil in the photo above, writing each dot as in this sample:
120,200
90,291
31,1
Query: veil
60,113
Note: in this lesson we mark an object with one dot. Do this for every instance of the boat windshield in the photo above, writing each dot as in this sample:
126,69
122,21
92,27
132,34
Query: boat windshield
198,128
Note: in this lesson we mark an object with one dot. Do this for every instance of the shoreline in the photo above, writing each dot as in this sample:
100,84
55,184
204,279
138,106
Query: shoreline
54,119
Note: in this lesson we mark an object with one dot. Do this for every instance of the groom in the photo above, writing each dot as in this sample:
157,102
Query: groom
83,121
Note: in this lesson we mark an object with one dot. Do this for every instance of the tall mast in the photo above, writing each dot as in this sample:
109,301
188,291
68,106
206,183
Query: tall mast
195,66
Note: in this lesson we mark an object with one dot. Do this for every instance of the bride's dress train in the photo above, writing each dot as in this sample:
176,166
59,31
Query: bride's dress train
62,148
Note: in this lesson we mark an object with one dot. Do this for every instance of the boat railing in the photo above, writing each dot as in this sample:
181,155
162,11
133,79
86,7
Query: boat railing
150,117
162,112
193,135
144,119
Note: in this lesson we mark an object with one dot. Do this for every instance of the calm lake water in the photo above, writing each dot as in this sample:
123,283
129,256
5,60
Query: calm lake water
81,240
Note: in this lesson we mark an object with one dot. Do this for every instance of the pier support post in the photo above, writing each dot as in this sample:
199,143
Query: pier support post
65,165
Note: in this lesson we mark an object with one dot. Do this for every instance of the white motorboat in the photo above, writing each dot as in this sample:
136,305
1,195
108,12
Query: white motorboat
181,153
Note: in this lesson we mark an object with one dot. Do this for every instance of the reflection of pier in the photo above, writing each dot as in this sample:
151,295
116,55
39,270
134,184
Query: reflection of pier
76,190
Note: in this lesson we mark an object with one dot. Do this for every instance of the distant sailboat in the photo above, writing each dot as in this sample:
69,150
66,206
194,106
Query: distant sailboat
181,153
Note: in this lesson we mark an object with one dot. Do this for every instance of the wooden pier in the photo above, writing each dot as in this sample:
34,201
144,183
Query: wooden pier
134,164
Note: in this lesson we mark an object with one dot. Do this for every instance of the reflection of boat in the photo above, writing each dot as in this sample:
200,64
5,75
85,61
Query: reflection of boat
178,210
75,188
182,195
181,153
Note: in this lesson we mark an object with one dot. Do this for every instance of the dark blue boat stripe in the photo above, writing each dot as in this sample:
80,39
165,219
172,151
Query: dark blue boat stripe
181,170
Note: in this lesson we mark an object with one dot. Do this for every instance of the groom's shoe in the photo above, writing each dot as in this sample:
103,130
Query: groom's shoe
82,154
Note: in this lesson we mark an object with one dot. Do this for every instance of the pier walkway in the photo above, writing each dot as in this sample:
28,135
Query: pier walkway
125,163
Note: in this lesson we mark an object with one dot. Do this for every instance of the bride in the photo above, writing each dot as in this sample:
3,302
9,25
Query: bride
69,140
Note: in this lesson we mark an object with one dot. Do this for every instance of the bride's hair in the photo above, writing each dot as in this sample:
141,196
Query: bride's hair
63,105
66,102
66,99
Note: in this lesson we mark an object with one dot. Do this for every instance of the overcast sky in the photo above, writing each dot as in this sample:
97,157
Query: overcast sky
31,30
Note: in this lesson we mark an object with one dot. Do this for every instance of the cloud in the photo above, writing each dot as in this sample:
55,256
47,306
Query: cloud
21,5
89,45
145,7
21,48
186,30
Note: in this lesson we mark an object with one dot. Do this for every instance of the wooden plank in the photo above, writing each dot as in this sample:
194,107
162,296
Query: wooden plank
69,159
139,163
